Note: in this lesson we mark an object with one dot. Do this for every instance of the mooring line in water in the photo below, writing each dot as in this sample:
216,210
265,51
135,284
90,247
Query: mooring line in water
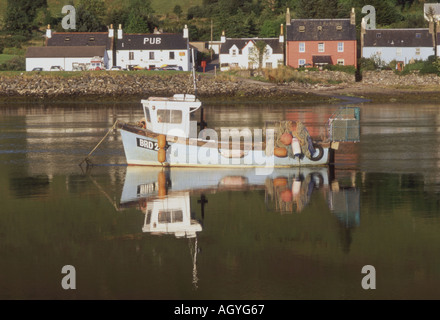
86,159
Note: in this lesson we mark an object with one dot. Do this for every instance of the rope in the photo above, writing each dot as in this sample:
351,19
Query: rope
86,159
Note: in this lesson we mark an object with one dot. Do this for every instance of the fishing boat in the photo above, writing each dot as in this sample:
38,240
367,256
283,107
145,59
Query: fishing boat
167,136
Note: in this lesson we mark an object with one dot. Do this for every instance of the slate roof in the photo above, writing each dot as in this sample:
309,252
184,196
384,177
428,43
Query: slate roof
65,52
274,43
76,39
398,38
152,41
320,30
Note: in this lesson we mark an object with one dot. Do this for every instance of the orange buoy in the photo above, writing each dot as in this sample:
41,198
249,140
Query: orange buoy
286,195
161,155
286,139
280,182
161,141
280,152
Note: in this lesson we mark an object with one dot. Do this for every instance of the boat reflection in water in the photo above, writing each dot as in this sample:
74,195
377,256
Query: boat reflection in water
164,196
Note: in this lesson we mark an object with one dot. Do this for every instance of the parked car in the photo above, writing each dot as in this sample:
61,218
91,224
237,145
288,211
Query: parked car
56,68
115,68
37,69
138,68
168,67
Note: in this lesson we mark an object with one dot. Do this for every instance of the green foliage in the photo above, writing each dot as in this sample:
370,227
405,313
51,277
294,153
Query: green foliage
337,67
20,15
17,63
90,16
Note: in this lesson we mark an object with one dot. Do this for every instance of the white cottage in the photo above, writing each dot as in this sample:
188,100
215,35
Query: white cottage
401,45
153,50
243,53
66,57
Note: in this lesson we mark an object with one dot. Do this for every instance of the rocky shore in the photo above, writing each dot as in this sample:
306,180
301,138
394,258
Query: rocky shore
114,85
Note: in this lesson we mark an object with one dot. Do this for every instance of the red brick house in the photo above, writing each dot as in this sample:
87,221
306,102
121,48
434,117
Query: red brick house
316,42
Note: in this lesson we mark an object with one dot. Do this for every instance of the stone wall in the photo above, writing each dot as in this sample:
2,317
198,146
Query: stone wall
115,84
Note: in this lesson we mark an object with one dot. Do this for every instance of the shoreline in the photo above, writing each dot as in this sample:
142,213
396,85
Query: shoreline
106,87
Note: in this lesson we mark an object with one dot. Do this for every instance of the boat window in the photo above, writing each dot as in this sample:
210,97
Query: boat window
170,216
148,218
147,114
169,116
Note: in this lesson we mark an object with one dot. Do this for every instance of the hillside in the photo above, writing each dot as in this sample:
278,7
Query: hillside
159,6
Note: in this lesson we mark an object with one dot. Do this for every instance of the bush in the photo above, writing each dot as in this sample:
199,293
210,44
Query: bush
337,67
15,64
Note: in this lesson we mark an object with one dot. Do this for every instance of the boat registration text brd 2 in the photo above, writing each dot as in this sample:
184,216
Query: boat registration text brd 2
147,144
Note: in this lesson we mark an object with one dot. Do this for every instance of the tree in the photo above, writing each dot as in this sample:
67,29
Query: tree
317,9
137,24
178,10
90,16
20,15
258,53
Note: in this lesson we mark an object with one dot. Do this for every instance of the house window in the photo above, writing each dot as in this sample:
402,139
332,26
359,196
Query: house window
302,47
378,35
398,52
234,52
340,62
171,55
340,47
151,55
321,47
250,65
301,62
417,51
131,56
269,65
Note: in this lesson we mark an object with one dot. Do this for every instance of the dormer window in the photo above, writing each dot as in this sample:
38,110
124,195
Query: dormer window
378,35
302,28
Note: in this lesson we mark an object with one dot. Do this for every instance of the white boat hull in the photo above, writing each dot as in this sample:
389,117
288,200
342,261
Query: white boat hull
142,150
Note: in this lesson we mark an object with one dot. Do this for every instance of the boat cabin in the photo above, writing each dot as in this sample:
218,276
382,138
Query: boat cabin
171,215
170,115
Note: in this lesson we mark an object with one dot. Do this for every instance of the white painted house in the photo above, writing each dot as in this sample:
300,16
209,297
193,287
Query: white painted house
242,53
70,49
401,45
66,57
153,50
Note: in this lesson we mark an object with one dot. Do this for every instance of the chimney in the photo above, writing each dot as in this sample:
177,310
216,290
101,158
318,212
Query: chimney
223,37
111,32
282,34
185,32
120,32
48,32
288,17
352,17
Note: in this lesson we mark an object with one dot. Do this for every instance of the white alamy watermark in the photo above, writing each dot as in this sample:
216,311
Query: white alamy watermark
235,147
370,18
369,281
69,280
69,21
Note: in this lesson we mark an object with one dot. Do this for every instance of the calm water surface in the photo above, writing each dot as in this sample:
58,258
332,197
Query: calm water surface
296,234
